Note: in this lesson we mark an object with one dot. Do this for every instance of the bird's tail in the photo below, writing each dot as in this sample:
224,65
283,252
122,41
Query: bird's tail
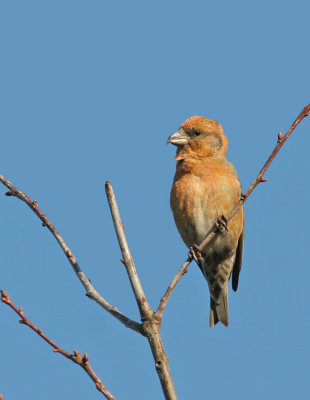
219,308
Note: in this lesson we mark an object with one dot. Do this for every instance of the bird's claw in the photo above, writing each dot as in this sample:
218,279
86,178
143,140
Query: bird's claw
221,224
195,254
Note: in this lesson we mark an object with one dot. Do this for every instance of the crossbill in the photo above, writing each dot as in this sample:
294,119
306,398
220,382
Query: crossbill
205,188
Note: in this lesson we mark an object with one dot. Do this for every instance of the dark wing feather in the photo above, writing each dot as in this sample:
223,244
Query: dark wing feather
238,263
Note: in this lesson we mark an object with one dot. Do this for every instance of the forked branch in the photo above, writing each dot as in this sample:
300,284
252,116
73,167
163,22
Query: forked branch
91,292
151,321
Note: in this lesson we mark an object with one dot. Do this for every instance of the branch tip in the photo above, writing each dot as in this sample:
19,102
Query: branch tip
9,193
306,111
5,297
264,180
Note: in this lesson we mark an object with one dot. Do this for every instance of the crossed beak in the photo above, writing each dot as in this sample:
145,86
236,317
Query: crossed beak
179,138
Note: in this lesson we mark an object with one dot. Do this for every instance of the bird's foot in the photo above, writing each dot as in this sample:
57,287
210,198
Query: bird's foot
221,224
195,254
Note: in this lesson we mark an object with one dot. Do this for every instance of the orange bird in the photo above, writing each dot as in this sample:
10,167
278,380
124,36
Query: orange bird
206,187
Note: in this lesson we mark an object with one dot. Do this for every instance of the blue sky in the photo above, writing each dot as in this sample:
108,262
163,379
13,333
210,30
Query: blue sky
90,91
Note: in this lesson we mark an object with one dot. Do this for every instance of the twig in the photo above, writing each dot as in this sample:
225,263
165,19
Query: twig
91,292
76,357
127,259
215,230
150,322
175,280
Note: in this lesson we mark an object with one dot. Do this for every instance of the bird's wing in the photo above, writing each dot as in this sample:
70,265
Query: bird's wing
238,263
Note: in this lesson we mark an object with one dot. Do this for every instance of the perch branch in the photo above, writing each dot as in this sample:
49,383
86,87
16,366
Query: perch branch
91,292
216,230
76,357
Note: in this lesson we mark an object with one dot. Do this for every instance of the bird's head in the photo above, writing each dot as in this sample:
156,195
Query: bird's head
199,137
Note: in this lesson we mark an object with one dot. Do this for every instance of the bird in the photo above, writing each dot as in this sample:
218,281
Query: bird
205,189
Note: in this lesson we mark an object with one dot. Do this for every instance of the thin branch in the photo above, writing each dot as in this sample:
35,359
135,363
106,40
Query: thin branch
91,292
151,323
175,280
127,258
216,227
76,357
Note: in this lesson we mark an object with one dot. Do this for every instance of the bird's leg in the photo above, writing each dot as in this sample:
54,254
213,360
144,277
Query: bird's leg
221,224
195,253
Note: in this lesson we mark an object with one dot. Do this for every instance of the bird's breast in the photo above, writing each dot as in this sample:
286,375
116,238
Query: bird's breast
199,198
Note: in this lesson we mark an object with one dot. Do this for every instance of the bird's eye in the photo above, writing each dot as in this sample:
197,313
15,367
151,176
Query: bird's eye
197,133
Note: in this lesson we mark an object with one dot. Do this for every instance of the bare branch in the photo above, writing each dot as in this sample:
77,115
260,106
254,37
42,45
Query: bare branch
76,357
259,179
217,226
127,258
151,323
91,292
165,298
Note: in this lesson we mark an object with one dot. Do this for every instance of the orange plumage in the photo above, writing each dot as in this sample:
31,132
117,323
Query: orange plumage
206,187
